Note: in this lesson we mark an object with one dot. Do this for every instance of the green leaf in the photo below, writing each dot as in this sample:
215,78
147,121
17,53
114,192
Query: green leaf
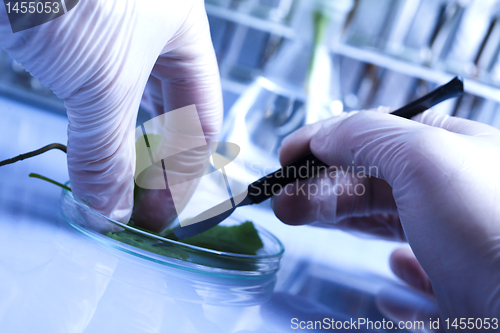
241,239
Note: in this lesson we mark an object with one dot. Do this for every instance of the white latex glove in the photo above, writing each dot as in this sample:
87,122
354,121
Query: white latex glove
98,58
402,305
437,188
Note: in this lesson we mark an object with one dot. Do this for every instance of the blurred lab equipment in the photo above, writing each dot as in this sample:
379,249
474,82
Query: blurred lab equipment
297,86
386,52
409,44
390,52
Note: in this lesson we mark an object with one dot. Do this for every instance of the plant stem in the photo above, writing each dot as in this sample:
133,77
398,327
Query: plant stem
34,153
35,175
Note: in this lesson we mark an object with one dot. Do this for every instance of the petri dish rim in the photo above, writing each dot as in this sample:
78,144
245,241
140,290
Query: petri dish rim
195,268
173,262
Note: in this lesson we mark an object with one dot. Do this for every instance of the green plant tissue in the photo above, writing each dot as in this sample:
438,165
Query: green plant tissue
242,239
239,239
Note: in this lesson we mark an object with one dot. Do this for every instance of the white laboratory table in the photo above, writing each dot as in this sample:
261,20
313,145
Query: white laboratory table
53,279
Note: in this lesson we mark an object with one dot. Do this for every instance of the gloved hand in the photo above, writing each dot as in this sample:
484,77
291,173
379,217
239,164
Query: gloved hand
402,305
437,188
98,58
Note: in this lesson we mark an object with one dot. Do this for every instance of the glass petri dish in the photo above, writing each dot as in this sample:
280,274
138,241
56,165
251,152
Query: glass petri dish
154,248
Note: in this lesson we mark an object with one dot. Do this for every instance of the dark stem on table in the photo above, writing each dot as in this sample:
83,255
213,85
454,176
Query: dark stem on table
34,153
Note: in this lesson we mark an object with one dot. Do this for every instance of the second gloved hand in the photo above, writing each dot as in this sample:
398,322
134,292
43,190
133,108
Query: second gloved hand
437,188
